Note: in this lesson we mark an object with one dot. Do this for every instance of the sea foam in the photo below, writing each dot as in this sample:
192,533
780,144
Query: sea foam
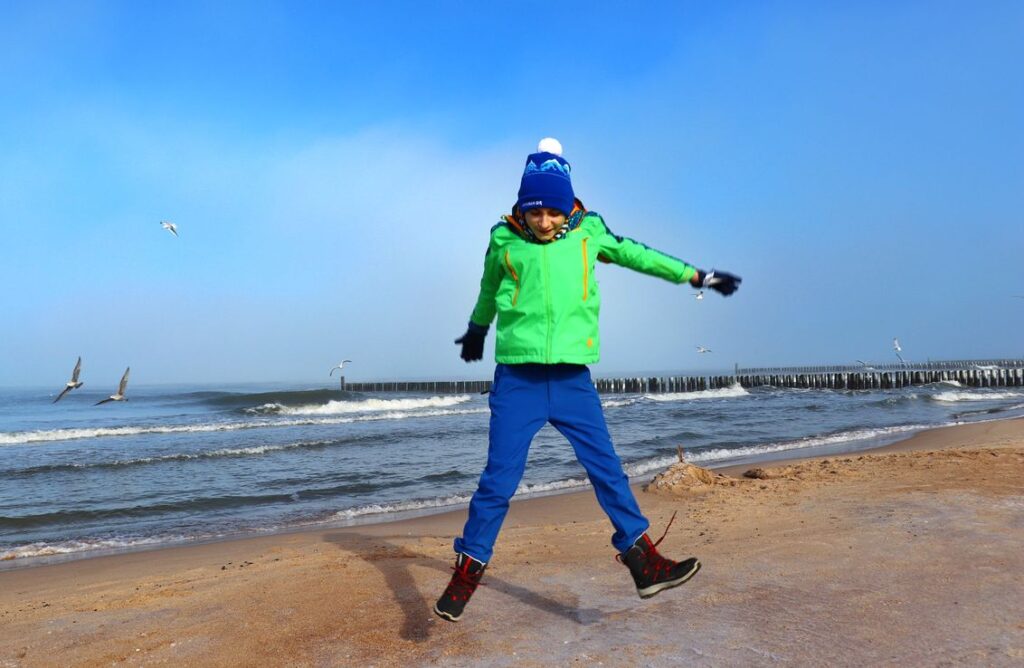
49,435
721,393
976,395
619,402
335,407
43,549
712,455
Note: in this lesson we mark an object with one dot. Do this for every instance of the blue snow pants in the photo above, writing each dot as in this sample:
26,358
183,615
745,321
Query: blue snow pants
523,398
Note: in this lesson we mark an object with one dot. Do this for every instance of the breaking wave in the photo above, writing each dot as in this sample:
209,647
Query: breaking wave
335,407
713,455
976,395
44,549
49,435
453,500
619,402
721,393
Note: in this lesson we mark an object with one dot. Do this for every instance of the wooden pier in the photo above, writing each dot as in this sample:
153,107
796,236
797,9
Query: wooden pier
969,373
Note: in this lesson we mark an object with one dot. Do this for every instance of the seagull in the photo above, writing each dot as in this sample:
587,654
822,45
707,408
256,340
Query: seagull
120,390
341,366
169,226
866,366
898,349
700,295
72,384
702,349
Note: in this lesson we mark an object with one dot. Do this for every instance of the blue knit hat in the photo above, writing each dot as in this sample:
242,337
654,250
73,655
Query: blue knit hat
546,181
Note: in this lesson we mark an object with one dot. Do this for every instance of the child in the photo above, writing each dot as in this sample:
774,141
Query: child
539,280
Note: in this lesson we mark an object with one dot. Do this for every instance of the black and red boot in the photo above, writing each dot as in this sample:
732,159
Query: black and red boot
465,579
652,572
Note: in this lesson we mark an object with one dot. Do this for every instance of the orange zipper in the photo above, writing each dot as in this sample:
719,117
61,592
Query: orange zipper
515,277
584,270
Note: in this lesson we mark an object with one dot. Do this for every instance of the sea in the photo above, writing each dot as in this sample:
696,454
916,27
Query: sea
178,464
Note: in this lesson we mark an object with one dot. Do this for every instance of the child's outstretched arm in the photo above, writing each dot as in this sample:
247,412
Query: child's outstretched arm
472,341
639,257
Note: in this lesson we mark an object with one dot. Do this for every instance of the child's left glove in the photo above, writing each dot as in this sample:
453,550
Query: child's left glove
717,280
473,342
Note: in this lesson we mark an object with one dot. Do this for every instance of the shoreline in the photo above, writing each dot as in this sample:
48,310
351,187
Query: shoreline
901,555
770,460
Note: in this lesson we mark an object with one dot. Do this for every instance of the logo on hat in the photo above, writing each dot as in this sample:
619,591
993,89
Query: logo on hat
547,166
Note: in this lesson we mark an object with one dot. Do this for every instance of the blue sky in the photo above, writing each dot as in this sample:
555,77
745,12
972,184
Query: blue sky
334,170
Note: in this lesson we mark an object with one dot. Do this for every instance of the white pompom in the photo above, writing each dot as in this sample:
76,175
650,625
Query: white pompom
550,145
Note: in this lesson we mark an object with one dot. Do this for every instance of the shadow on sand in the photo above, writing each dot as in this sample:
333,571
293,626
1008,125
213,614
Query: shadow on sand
393,561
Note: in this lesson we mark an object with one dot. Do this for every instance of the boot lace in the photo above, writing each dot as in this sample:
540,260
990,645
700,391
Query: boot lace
463,583
654,558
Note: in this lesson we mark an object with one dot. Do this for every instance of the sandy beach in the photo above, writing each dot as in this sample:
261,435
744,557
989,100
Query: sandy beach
905,555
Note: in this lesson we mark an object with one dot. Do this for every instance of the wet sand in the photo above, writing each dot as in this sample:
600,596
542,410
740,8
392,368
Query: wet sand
906,555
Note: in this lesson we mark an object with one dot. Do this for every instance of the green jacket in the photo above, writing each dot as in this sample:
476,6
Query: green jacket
545,294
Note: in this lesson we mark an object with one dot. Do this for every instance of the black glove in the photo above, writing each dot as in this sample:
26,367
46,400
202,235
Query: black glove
720,281
472,342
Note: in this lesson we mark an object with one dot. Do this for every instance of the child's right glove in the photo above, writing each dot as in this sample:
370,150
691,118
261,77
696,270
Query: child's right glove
473,342
720,281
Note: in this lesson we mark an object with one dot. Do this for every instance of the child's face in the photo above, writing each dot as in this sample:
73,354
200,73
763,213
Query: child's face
544,222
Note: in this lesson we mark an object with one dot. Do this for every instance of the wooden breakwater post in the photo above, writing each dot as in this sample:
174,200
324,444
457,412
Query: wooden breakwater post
431,386
969,373
975,373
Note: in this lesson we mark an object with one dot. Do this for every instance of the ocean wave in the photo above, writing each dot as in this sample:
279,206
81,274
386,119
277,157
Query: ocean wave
193,505
452,500
643,467
450,475
970,414
976,395
387,508
182,456
50,435
44,549
285,398
894,399
720,393
69,434
619,402
552,486
712,455
335,407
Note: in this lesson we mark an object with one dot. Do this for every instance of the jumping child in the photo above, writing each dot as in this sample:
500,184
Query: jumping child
539,280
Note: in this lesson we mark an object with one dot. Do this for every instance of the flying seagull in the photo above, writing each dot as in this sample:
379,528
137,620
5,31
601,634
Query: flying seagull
169,226
341,366
898,349
73,383
702,349
120,390
700,295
